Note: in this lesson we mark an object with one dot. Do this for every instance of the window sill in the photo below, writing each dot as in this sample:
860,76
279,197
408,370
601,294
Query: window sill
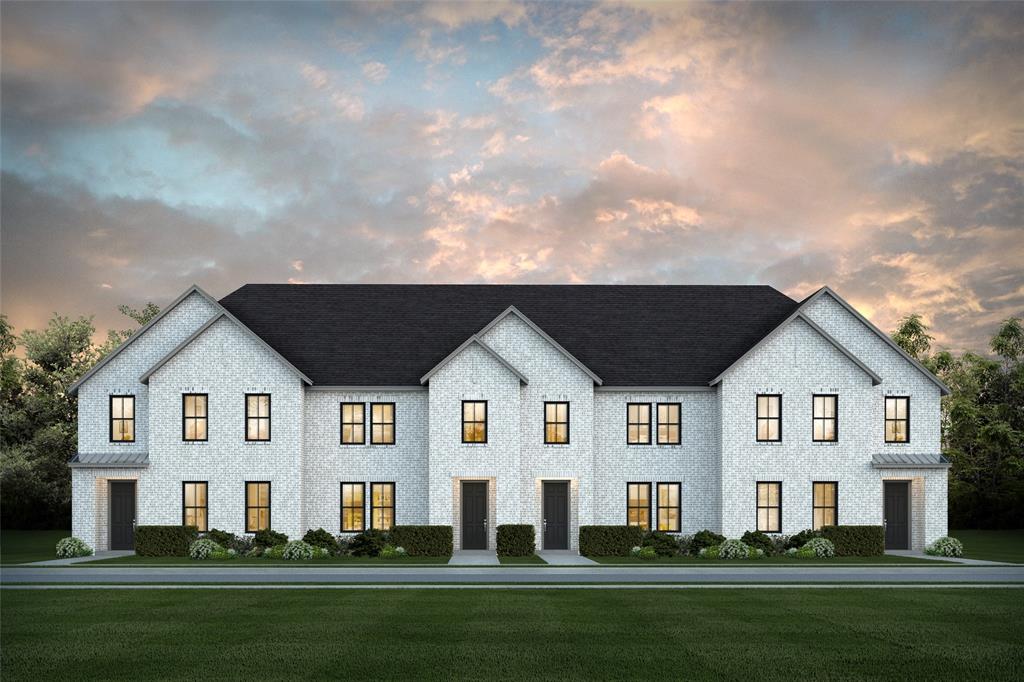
825,443
768,443
557,445
897,443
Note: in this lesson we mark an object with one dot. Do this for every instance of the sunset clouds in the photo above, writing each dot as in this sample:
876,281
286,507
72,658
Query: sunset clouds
874,148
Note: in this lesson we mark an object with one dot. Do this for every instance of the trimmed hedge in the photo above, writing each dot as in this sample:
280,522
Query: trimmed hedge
856,540
516,540
610,540
164,540
423,540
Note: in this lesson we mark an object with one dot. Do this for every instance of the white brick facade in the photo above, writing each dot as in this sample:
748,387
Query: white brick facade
717,463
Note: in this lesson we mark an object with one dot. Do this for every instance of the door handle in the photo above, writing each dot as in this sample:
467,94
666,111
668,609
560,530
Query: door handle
545,525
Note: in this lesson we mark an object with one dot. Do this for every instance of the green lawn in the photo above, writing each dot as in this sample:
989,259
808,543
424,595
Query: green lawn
768,561
513,634
19,546
993,545
531,559
256,561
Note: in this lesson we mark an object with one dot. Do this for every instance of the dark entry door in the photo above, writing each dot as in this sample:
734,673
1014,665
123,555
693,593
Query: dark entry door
556,515
897,515
122,515
474,515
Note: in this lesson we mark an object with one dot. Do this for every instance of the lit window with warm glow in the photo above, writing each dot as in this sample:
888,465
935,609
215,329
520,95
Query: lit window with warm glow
257,506
638,505
353,424
556,422
474,421
769,507
122,418
668,507
257,416
638,423
193,503
897,419
824,418
769,418
352,520
826,504
668,423
382,506
382,423
193,416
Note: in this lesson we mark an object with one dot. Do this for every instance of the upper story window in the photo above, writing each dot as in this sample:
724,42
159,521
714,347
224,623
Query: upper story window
122,418
769,417
257,416
193,416
352,508
825,505
556,422
769,506
638,505
638,423
474,421
382,423
668,507
382,506
897,419
353,424
824,419
257,506
194,505
668,423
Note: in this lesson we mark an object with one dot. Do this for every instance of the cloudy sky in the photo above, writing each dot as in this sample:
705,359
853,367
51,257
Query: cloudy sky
874,148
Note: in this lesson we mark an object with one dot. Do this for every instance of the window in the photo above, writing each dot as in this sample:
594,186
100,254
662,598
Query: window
824,419
122,418
352,520
769,507
769,418
353,424
193,416
382,423
825,505
638,505
897,419
668,423
474,421
382,505
193,504
257,416
668,507
257,506
556,422
638,423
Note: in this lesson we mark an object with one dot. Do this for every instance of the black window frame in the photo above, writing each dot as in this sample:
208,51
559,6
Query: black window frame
474,421
257,418
758,418
638,424
556,423
678,506
834,418
269,507
886,420
361,507
122,418
205,418
630,506
758,507
342,423
374,507
834,506
185,506
678,423
394,419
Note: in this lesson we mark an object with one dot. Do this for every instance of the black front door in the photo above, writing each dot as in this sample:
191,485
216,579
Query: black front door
556,515
122,515
474,515
897,515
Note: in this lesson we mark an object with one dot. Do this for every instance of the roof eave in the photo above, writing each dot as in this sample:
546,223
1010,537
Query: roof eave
480,342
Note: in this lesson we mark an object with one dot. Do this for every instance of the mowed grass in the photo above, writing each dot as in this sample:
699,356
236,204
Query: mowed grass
256,561
769,561
20,546
513,634
993,545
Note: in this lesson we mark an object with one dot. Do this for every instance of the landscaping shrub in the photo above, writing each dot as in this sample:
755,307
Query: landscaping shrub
733,549
821,547
221,537
368,543
646,553
802,538
321,538
164,540
663,543
392,552
269,538
343,542
705,539
856,540
69,548
297,550
275,552
945,546
684,542
516,540
203,548
423,540
759,540
609,540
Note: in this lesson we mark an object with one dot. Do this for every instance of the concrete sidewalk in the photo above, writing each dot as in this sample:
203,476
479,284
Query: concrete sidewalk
955,560
474,557
565,557
109,554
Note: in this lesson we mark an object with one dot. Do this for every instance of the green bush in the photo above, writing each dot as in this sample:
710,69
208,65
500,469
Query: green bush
609,540
321,538
297,550
204,548
856,540
516,540
759,540
423,540
69,548
275,552
802,538
368,543
822,547
945,546
270,538
164,540
221,537
703,540
646,553
391,552
663,543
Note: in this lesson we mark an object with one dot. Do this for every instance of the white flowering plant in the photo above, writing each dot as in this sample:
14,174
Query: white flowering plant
204,548
945,546
733,549
818,547
392,552
297,550
69,548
